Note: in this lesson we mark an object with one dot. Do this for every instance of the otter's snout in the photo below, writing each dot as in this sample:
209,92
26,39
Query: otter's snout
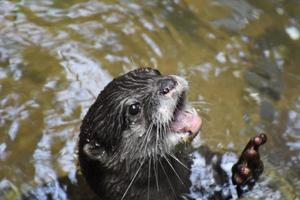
167,85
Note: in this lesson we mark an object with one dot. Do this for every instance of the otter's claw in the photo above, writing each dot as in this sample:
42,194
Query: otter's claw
249,166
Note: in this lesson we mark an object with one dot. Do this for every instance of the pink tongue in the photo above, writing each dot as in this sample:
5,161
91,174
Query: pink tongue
186,122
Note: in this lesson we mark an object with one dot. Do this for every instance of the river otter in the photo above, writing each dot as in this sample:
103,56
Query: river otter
129,138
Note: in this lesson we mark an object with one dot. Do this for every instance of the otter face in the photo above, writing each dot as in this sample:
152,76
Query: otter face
140,114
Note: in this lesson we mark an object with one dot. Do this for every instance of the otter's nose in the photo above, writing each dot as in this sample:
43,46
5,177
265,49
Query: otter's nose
166,85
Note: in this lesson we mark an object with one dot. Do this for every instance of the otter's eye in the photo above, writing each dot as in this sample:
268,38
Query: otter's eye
134,108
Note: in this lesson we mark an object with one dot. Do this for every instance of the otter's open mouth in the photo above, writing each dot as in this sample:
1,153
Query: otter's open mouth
185,121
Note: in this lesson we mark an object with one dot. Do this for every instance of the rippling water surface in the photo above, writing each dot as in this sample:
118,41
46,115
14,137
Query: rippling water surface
241,57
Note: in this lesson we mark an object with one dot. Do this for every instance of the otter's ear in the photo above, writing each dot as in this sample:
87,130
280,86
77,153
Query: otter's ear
95,153
154,71
147,71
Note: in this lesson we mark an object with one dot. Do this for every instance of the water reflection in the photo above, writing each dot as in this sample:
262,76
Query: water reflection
239,56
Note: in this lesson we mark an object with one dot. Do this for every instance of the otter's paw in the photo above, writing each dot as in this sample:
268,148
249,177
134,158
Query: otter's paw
249,166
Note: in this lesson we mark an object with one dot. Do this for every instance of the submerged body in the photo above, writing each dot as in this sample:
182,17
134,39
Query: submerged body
128,147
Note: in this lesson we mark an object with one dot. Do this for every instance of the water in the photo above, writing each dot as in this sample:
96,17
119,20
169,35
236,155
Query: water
241,57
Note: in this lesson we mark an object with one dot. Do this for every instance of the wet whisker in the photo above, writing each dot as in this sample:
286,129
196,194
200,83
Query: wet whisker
175,158
174,171
131,182
168,179
146,139
149,176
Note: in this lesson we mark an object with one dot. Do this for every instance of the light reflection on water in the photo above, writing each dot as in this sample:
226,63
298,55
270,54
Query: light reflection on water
239,56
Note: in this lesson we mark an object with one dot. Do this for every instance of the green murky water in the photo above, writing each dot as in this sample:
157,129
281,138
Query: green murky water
241,57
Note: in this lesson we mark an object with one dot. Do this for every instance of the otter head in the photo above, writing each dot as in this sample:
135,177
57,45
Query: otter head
138,116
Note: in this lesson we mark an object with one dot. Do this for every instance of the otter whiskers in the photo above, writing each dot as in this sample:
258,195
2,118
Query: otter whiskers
168,179
149,175
174,170
146,139
131,182
176,159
